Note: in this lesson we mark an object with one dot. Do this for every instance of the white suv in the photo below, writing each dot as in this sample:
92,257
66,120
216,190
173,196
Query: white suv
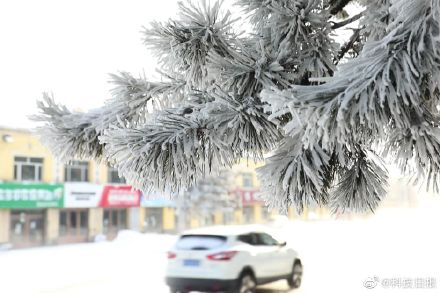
230,259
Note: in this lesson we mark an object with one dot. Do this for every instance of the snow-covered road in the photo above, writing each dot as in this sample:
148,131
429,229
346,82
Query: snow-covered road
339,256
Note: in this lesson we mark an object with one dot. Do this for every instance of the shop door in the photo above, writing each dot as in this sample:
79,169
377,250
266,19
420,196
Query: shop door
114,221
27,228
73,226
248,213
153,221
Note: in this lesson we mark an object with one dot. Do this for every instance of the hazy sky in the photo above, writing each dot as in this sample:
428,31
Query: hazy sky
68,48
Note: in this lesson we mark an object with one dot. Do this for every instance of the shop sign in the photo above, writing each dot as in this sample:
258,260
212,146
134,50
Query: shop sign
157,200
248,197
82,195
32,195
119,196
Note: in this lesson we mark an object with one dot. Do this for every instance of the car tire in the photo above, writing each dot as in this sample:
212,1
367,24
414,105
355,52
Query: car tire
246,284
295,277
175,290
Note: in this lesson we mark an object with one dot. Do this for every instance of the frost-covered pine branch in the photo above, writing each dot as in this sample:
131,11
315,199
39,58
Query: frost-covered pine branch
336,6
73,134
361,184
376,19
182,144
295,176
279,92
171,151
296,33
386,90
243,125
68,133
183,45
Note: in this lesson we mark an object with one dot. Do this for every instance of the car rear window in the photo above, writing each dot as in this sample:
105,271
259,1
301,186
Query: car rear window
200,242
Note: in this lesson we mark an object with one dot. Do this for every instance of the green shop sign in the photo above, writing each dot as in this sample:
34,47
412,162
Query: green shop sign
32,195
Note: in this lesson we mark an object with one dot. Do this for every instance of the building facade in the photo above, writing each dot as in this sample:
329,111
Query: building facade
43,201
46,202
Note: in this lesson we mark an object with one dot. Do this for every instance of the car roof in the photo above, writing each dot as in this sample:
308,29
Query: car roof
227,230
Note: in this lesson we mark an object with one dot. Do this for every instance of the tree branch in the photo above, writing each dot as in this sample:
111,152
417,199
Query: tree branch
337,5
349,45
337,25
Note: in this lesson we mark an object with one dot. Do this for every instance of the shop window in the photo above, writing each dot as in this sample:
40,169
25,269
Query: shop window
153,220
83,222
248,180
113,176
122,224
77,171
248,214
73,222
106,221
114,220
28,169
27,228
73,225
63,223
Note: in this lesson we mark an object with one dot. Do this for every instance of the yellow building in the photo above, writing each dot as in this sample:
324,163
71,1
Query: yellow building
253,210
250,209
43,201
24,158
84,210
247,188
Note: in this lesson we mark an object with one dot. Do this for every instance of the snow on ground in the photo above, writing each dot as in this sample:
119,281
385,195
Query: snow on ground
131,263
338,257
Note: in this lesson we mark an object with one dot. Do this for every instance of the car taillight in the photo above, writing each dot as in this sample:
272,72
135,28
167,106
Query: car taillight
171,255
224,255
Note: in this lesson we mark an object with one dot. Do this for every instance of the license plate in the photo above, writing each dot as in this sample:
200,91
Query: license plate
191,262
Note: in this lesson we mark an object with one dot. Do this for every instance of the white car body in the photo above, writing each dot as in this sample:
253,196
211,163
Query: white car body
214,258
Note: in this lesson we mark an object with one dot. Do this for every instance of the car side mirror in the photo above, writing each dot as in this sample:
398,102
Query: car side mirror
284,243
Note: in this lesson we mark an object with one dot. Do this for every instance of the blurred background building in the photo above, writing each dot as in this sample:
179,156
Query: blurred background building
43,201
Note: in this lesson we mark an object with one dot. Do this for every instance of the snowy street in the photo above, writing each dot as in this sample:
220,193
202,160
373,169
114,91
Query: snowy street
123,123
338,256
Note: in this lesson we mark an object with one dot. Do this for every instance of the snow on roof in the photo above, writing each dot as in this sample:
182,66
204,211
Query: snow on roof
227,230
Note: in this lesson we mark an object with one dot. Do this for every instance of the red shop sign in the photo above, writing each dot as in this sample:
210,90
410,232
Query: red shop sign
121,196
248,197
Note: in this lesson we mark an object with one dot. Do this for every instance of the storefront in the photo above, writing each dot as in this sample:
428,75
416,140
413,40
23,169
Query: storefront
28,204
82,195
115,219
73,226
153,220
116,201
266,215
93,209
248,215
183,219
27,228
79,197
159,215
252,206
